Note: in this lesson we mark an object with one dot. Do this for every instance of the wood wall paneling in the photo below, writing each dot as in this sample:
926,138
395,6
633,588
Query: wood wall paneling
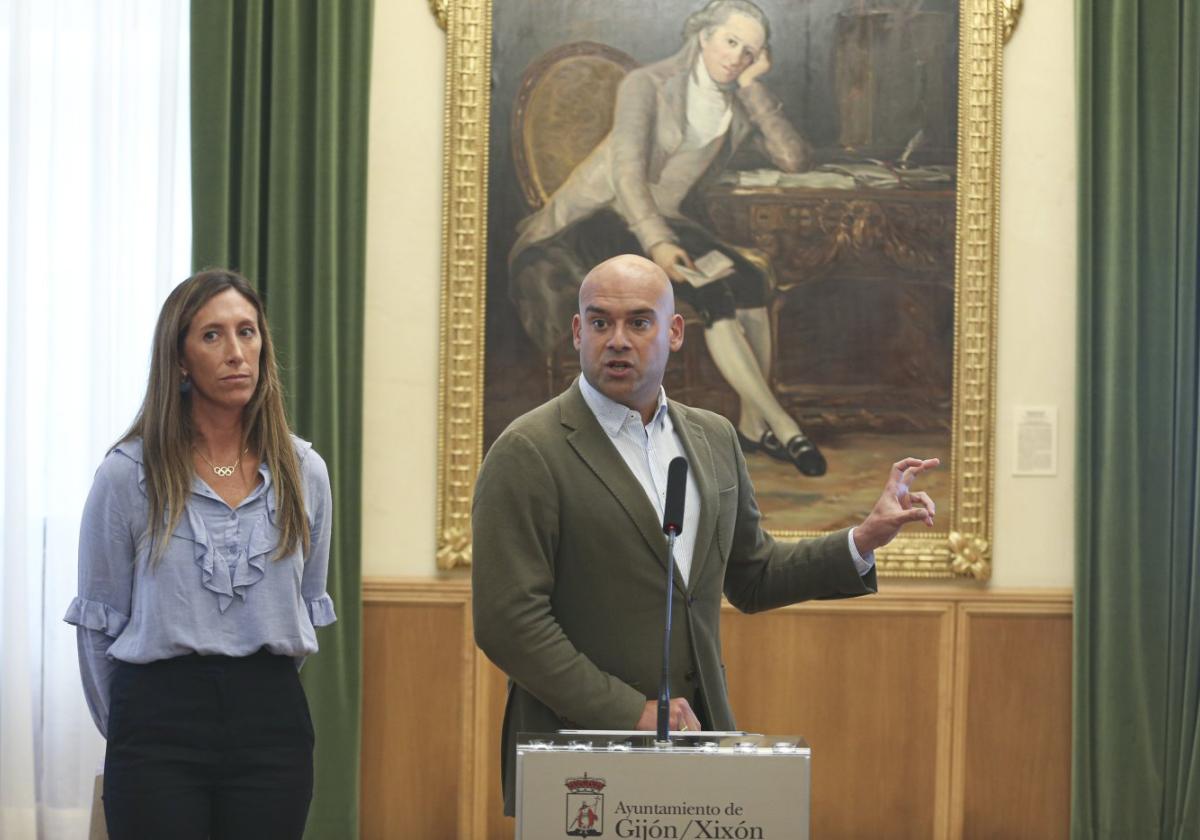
869,691
416,651
1012,753
931,714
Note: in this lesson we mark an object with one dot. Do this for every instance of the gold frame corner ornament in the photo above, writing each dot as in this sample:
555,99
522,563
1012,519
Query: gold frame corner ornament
1010,11
964,549
453,549
970,556
440,9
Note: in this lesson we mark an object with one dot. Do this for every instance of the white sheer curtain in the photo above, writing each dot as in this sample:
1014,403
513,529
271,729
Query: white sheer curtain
95,229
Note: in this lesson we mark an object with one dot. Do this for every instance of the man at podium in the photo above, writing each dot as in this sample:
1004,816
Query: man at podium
569,557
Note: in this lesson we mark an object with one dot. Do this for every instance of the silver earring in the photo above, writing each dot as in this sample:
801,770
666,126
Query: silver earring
186,385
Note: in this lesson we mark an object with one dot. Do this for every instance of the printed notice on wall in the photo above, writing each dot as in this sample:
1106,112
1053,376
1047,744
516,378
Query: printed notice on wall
1037,440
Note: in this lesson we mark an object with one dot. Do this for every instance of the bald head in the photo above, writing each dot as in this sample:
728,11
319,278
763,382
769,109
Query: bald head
625,330
627,273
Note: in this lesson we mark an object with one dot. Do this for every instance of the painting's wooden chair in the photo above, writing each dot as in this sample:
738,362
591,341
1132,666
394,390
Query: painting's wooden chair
563,109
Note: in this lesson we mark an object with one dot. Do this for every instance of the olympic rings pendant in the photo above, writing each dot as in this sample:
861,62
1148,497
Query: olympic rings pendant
224,472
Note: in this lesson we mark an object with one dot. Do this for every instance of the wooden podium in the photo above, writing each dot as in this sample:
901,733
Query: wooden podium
624,784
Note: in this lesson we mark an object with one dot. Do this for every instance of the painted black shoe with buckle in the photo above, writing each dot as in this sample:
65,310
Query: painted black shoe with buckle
804,454
800,452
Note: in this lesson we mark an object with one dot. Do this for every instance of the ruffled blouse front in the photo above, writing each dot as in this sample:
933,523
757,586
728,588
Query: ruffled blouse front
217,588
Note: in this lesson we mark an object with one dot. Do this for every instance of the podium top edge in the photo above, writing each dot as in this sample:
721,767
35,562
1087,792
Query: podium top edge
620,741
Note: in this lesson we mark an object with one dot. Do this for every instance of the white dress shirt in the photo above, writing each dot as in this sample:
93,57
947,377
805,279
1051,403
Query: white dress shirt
648,449
709,111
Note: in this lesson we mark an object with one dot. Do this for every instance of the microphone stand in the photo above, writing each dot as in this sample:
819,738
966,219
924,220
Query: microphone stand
664,686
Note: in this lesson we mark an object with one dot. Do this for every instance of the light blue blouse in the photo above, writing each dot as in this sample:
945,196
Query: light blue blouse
216,588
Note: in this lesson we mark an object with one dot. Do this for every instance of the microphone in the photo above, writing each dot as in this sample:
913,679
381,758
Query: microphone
672,527
676,495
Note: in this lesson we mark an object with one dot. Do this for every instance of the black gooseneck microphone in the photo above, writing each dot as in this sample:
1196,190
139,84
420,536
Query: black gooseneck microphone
672,527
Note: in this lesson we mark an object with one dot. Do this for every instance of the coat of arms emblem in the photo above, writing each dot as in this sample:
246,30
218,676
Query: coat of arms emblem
585,806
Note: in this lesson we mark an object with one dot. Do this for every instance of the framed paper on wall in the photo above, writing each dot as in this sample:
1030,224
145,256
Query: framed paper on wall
847,168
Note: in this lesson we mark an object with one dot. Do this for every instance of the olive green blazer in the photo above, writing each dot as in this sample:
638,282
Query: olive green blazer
569,568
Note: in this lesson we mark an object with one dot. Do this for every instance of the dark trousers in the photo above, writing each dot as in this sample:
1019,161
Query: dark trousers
545,277
208,747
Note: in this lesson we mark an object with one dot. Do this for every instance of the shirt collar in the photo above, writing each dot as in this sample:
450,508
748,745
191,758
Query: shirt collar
133,450
201,487
613,416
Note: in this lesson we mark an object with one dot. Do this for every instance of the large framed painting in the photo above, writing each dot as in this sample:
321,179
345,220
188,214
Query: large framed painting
820,179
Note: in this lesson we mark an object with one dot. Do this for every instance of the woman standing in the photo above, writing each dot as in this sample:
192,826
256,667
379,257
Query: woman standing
203,555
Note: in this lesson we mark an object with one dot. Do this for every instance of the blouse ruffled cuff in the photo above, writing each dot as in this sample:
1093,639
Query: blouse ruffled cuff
95,615
320,611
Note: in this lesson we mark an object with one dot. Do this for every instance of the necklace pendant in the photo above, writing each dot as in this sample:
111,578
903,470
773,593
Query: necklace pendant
224,472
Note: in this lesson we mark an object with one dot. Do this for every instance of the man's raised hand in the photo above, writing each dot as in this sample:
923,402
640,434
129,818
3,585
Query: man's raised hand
897,506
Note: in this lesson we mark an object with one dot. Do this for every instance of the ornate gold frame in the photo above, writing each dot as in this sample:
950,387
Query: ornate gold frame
963,551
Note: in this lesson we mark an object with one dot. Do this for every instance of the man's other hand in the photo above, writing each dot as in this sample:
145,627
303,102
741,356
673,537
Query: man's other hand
681,717
896,507
668,256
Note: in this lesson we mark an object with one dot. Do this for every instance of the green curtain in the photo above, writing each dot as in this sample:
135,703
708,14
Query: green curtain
1136,762
279,150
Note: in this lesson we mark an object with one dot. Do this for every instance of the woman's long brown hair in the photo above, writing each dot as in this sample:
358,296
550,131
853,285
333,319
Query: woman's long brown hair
164,422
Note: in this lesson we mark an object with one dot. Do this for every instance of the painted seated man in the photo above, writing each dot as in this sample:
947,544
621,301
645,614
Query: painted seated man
676,123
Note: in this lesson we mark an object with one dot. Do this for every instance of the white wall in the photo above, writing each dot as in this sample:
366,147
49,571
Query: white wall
1036,365
1034,517
404,244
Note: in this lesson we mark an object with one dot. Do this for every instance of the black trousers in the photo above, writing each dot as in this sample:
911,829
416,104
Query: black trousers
544,281
208,747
